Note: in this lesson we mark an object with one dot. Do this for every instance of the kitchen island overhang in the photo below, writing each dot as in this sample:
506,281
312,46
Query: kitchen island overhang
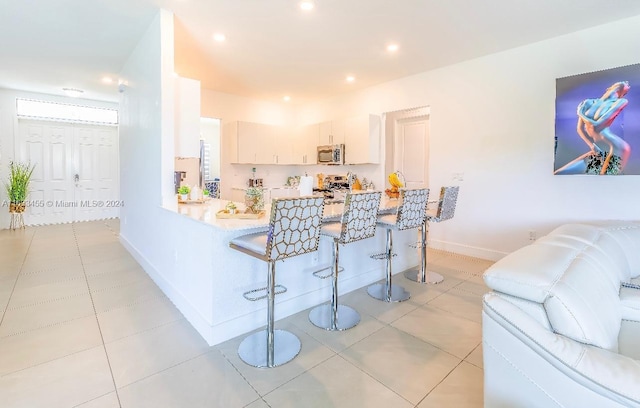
205,278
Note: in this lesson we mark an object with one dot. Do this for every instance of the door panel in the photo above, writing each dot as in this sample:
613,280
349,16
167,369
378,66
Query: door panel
59,152
411,151
47,145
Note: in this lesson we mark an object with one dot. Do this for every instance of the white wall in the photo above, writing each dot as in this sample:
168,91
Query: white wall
9,127
493,119
146,140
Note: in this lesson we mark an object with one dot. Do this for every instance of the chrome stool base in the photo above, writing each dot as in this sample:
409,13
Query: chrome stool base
379,291
431,278
253,350
346,317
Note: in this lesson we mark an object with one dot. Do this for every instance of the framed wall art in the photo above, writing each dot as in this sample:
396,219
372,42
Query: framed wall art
598,122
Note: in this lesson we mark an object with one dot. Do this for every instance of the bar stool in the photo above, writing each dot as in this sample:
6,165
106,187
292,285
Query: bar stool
445,211
294,229
410,214
358,222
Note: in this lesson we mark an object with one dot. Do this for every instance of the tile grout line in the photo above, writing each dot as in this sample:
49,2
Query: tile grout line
4,312
104,347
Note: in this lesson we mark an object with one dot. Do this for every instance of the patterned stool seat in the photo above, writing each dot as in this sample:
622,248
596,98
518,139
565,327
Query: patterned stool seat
358,222
294,229
411,214
445,211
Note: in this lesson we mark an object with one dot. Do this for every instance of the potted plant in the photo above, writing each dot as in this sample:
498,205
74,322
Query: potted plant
184,192
254,199
18,185
231,207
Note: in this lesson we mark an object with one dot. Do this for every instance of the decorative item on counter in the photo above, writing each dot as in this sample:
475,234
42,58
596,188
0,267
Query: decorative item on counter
205,193
320,180
184,192
230,207
254,199
356,185
396,185
293,181
306,185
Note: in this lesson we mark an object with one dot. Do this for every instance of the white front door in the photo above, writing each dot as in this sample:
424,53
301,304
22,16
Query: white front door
76,171
411,151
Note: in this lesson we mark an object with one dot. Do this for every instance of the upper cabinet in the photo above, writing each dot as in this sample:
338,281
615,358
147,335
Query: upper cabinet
362,139
332,132
257,143
304,141
187,117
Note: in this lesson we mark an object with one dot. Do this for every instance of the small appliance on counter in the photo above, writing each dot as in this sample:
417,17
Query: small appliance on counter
336,182
255,182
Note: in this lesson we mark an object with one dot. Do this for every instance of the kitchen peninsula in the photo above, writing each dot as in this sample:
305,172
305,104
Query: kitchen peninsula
210,278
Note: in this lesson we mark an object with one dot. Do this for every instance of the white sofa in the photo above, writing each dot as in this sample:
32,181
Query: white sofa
561,328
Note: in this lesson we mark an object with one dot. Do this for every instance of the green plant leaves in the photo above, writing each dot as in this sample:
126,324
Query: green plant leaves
18,185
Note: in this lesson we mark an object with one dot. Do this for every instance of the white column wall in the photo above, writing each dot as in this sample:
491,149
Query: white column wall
492,118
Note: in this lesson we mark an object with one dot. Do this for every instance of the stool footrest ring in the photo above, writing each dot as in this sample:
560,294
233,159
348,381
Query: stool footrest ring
318,275
418,245
279,289
381,256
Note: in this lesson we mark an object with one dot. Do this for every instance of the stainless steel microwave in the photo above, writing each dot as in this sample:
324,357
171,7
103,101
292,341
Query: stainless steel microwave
331,154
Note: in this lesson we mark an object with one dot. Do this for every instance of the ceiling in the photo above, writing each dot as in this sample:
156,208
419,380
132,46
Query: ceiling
272,47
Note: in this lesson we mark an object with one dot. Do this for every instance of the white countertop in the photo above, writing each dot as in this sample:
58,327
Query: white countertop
207,213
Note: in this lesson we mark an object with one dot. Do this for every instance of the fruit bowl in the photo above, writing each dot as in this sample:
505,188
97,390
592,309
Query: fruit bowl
392,193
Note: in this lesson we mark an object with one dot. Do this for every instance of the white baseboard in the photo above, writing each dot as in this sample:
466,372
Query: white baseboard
468,250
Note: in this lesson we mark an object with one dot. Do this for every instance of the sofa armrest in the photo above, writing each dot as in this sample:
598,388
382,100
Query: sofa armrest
609,374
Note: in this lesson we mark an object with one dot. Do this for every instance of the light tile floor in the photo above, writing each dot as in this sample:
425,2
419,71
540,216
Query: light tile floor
82,325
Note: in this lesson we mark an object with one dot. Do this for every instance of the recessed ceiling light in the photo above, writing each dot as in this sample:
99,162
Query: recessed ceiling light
219,37
351,78
306,5
72,92
392,47
107,80
287,98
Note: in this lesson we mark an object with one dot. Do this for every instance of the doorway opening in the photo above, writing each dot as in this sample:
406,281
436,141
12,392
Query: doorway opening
210,166
407,145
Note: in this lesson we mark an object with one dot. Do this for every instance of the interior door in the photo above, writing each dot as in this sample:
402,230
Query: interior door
96,180
76,171
411,151
49,147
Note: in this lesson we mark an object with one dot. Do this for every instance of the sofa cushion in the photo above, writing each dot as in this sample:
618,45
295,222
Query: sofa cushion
576,282
583,305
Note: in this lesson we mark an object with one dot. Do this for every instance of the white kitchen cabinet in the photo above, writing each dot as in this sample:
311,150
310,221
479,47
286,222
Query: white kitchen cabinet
304,141
362,139
332,132
258,143
187,117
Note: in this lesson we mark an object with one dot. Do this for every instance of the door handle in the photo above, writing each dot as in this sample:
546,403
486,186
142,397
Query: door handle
76,178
